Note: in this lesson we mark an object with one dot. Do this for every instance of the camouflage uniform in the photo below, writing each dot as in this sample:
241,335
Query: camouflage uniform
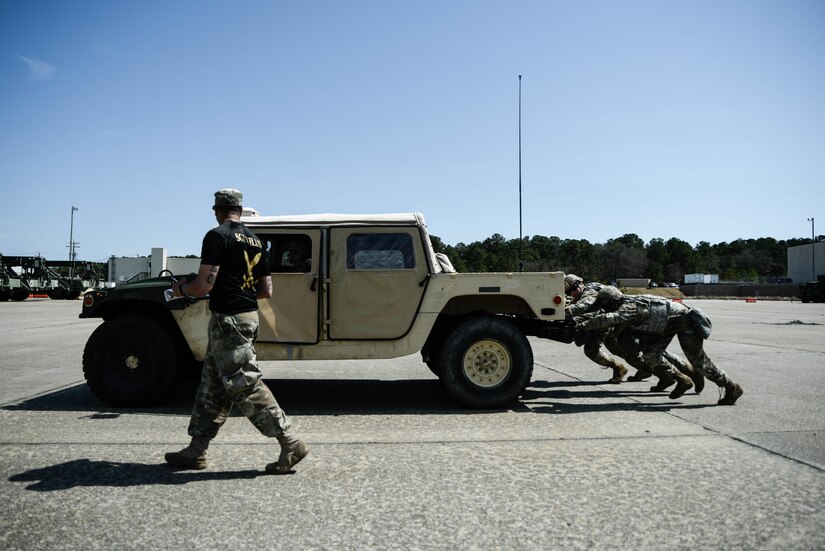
585,303
231,376
657,321
594,339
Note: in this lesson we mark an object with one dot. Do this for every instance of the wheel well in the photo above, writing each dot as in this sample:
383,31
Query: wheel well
136,307
490,304
156,313
463,307
444,325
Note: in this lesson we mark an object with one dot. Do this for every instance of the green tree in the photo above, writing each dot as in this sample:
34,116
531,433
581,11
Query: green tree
629,240
577,258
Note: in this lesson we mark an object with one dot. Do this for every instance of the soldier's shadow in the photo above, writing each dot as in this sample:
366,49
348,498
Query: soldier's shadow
85,472
565,397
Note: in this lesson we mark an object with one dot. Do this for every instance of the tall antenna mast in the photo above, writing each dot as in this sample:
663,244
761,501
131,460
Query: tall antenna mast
520,257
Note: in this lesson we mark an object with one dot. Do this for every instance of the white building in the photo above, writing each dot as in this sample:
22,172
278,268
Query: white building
125,269
801,265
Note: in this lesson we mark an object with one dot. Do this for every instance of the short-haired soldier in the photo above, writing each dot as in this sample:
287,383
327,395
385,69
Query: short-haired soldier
234,272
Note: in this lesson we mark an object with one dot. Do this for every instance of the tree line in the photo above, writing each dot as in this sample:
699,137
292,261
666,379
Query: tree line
623,257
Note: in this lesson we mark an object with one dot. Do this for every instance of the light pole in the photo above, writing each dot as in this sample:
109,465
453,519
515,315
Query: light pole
813,246
72,243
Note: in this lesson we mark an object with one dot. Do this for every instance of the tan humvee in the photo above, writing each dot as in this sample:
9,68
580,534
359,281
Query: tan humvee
371,286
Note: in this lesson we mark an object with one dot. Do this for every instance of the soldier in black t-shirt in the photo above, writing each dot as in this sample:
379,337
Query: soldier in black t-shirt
234,272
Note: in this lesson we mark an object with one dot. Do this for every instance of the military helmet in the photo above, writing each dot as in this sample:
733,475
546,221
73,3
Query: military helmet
570,281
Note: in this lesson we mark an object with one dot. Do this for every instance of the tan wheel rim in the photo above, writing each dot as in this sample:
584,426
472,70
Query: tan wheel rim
487,363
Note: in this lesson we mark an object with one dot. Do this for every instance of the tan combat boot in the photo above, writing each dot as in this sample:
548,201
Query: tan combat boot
683,383
293,450
640,375
662,385
619,371
192,456
698,381
695,376
732,393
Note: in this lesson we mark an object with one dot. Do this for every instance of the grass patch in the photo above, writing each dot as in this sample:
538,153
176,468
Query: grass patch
664,292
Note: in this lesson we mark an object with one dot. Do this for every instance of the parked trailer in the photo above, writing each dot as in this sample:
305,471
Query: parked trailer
26,275
701,278
634,282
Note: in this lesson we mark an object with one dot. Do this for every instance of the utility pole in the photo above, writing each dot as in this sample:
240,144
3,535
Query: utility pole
813,246
520,257
72,244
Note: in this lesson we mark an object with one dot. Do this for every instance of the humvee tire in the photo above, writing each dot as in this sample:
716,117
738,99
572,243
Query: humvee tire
131,360
486,362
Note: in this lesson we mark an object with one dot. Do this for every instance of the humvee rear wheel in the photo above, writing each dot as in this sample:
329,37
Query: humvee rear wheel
131,361
486,362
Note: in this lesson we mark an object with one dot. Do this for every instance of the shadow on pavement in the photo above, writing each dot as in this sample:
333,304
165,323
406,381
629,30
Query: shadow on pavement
371,397
566,397
80,398
296,397
84,472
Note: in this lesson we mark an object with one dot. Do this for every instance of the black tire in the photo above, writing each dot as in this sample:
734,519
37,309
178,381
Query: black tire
432,350
73,294
19,295
130,361
58,293
486,362
5,295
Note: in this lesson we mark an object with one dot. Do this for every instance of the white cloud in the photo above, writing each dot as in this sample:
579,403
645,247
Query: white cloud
38,70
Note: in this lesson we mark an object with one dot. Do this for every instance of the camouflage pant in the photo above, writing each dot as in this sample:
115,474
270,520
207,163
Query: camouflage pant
594,350
653,351
609,338
231,377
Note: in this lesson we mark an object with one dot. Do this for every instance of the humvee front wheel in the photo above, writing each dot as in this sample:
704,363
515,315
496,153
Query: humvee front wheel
130,360
486,362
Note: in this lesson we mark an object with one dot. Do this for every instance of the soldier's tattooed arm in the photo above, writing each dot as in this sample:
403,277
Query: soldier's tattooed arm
264,287
201,285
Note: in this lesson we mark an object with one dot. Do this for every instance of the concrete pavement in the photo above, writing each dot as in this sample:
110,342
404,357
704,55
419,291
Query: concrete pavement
395,464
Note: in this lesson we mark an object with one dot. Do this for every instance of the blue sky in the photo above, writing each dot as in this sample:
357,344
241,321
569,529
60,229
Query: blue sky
702,120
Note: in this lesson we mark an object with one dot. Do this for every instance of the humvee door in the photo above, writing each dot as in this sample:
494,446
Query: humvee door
377,280
291,315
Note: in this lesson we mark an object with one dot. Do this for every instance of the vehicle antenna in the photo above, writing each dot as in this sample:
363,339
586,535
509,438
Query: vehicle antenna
520,258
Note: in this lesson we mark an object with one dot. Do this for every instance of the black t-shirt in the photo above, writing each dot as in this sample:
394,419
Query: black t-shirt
242,262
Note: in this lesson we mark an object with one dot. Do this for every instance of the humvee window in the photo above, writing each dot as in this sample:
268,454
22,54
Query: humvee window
380,251
290,253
